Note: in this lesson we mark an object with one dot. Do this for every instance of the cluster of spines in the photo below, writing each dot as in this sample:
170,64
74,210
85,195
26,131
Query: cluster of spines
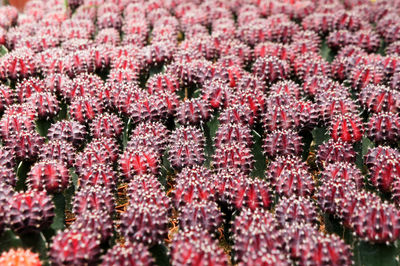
49,175
204,214
75,247
293,182
186,147
146,218
255,231
129,253
282,142
296,209
195,246
30,211
193,111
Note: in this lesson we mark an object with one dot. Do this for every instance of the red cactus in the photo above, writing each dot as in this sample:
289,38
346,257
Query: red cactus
75,247
78,62
145,223
106,125
50,175
307,35
253,231
393,48
315,250
155,132
333,104
335,151
217,93
376,222
130,253
93,198
253,97
204,214
139,161
271,69
282,163
316,85
147,108
384,127
236,190
286,89
310,64
27,87
282,142
229,133
333,194
30,211
366,39
15,123
107,148
17,64
84,85
233,155
67,130
249,193
196,247
98,175
192,185
296,210
163,82
193,111
8,177
293,182
347,127
108,36
319,22
289,117
7,96
281,51
45,103
186,147
99,223
380,98
384,171
363,75
237,114
84,109
344,171
374,155
25,144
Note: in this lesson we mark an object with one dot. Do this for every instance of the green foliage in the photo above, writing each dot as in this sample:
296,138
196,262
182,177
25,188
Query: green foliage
367,254
160,254
258,153
3,50
210,129
59,203
22,172
125,134
326,52
320,135
42,126
9,240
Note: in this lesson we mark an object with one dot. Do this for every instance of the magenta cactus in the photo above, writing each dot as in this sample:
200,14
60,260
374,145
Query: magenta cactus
296,210
30,211
75,247
195,246
49,175
129,253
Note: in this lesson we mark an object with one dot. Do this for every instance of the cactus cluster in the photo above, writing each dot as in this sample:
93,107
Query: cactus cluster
201,132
